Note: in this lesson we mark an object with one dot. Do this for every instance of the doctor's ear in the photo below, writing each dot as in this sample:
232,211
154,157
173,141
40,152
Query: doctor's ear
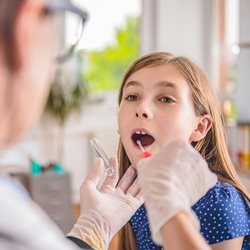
204,124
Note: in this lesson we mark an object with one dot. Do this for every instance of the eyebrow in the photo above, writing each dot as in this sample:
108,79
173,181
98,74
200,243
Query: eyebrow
160,84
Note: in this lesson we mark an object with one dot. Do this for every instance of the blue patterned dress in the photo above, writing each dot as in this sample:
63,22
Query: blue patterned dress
223,214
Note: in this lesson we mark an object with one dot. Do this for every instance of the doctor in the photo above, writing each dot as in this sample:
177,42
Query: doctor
28,43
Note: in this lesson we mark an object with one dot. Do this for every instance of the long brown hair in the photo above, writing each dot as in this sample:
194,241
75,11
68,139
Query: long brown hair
212,147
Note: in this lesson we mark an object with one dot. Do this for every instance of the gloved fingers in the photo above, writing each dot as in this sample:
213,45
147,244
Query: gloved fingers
211,180
143,166
127,179
206,181
113,179
140,197
134,189
95,173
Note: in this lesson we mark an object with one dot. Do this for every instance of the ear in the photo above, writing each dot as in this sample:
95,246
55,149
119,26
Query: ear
203,125
26,24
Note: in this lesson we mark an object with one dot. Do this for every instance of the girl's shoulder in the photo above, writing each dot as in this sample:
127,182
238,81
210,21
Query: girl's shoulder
224,213
221,195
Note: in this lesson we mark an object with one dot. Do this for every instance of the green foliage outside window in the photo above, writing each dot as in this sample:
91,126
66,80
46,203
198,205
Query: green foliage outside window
104,69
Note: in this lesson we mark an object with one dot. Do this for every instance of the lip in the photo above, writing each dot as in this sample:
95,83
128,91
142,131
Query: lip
142,130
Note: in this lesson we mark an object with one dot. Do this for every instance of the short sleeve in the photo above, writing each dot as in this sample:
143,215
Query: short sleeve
140,226
223,214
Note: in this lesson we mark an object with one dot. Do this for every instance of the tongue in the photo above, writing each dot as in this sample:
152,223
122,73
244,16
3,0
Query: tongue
146,140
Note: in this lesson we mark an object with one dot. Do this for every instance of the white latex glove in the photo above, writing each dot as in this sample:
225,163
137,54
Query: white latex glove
105,211
172,181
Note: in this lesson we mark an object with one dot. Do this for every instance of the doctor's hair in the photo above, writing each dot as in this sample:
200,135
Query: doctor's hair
8,13
212,147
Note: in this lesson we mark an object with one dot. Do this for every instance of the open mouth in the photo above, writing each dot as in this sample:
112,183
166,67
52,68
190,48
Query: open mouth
143,137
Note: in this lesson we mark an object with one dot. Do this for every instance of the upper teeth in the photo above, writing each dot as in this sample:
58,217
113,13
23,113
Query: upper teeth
140,132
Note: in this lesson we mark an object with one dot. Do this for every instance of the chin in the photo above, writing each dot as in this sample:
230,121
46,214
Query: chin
13,139
134,162
21,128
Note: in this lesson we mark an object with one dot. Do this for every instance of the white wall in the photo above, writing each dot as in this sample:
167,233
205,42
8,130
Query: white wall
182,27
243,69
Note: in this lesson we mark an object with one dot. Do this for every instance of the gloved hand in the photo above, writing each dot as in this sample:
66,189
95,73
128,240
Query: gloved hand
104,211
172,181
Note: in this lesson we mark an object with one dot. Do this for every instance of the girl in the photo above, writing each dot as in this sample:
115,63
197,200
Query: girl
166,98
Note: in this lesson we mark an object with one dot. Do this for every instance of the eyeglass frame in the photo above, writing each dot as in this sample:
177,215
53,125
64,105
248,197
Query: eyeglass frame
63,6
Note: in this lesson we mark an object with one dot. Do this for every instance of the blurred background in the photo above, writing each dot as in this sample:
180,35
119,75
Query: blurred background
55,156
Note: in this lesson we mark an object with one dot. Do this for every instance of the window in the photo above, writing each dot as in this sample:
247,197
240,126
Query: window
110,41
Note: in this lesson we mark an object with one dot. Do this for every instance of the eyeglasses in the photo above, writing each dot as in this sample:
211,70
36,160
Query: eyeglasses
77,18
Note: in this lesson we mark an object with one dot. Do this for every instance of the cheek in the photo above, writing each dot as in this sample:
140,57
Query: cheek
124,130
121,119
123,133
46,48
175,127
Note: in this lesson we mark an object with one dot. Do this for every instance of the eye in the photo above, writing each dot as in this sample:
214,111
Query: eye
166,99
131,98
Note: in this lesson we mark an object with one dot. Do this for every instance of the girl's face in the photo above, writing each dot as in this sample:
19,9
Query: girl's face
156,108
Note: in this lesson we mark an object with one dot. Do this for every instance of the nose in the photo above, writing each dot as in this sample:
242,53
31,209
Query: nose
144,111
143,115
